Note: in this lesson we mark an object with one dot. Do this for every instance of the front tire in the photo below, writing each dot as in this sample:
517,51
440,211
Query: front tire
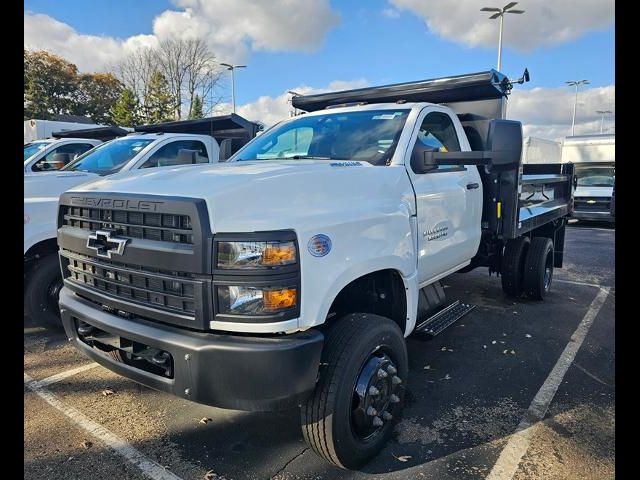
359,396
42,291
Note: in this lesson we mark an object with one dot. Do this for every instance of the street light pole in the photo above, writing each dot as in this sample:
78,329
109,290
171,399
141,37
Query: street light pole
603,113
500,14
575,83
233,82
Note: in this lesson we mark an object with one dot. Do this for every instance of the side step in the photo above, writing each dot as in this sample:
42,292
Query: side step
446,317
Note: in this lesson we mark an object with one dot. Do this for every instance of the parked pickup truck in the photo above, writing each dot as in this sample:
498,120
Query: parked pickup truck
54,153
292,274
165,145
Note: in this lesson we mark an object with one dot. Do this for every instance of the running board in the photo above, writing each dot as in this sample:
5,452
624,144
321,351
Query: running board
446,317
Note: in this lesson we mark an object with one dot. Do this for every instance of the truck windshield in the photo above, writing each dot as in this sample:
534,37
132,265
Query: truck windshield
31,149
367,135
109,157
596,176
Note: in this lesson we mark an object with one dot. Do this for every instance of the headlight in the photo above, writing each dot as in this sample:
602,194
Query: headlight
256,255
243,300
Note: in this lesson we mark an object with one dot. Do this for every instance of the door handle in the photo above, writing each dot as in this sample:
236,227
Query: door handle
471,186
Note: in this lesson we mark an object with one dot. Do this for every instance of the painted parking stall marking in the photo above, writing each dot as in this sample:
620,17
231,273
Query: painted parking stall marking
147,466
510,457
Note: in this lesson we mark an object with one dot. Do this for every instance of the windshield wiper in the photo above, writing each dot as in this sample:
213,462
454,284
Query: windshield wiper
312,157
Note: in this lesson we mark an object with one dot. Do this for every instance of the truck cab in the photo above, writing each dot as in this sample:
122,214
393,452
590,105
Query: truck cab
298,267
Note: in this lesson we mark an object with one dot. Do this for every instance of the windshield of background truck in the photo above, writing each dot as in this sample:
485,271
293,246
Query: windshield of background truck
109,157
31,149
596,176
369,135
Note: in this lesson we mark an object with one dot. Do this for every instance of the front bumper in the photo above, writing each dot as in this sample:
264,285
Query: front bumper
593,216
228,371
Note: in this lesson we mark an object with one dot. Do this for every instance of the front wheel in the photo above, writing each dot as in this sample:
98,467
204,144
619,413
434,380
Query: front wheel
42,291
359,396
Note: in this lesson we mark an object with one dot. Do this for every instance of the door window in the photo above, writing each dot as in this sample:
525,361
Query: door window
437,131
72,151
169,154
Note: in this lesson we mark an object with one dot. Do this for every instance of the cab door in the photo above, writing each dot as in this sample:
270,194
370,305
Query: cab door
448,200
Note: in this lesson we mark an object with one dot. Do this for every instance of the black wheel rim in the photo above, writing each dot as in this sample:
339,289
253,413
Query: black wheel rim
548,272
53,294
376,395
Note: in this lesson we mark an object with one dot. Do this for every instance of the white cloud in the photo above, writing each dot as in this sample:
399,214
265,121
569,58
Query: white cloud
88,52
232,30
543,23
271,110
547,112
390,13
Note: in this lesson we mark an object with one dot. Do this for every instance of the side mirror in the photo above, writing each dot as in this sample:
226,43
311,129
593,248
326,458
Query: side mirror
422,159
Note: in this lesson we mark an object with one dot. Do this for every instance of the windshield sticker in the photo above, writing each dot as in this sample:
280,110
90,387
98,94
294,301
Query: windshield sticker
345,164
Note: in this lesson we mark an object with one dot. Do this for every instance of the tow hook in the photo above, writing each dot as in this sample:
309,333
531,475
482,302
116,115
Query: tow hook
85,329
161,359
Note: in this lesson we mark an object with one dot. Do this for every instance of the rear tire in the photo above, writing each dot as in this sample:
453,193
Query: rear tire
538,270
337,420
42,291
513,266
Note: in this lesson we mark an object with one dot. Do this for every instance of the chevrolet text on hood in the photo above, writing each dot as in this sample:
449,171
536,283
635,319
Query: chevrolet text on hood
292,274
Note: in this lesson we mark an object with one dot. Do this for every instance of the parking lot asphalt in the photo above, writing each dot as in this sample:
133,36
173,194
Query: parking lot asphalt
469,390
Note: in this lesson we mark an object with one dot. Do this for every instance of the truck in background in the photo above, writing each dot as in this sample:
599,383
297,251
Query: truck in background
40,129
540,150
594,159
151,146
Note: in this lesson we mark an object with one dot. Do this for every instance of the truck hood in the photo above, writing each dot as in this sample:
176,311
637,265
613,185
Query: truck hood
53,184
593,191
267,195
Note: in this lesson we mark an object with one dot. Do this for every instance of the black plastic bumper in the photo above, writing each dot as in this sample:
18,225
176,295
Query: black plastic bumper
593,215
227,371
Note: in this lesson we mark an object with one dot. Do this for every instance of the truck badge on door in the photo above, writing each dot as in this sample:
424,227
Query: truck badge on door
439,231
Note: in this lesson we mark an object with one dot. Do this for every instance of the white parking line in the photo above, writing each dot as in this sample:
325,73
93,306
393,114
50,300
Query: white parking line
573,282
518,444
147,466
66,374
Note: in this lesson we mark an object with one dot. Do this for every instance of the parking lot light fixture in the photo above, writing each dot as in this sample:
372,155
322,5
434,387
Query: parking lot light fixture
603,113
233,81
499,13
575,83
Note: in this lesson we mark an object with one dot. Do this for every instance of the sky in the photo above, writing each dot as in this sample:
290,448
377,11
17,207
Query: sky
322,45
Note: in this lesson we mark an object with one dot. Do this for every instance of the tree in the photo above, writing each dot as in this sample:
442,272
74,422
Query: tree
135,71
190,68
125,111
50,84
96,94
196,108
158,104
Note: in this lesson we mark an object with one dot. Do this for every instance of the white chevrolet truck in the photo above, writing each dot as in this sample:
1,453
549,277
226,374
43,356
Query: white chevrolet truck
292,274
164,145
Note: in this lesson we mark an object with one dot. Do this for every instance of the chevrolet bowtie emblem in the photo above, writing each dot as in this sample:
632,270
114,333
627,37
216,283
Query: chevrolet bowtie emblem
105,243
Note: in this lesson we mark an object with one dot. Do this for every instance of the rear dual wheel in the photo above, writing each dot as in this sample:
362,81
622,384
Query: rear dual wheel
527,267
538,268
